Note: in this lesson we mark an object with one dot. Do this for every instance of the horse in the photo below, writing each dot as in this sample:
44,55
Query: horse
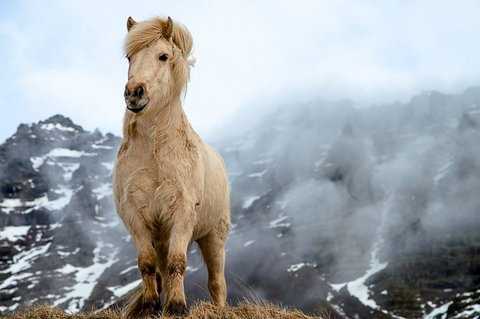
170,187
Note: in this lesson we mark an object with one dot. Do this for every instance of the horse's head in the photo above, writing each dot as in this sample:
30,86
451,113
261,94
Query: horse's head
158,51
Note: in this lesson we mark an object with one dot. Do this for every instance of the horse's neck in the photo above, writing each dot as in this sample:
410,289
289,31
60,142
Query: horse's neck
171,125
163,130
169,119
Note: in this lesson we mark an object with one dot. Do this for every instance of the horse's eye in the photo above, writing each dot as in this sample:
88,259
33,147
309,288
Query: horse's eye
163,57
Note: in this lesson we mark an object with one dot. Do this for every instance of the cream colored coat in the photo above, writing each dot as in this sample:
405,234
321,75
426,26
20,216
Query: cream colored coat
170,187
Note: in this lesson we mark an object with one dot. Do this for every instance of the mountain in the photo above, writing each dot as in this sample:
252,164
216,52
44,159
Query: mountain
361,212
59,232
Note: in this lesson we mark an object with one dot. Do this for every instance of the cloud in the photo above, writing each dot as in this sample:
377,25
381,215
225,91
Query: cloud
66,57
53,88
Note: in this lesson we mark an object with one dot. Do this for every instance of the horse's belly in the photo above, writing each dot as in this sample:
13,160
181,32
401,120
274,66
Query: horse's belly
214,211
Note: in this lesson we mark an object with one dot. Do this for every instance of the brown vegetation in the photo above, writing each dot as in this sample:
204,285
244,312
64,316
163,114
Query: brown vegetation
199,311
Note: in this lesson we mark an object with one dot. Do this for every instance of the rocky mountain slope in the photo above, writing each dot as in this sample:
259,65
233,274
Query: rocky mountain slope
363,212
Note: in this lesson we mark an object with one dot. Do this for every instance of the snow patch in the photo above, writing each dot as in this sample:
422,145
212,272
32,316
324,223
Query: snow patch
192,269
8,205
358,287
257,174
22,262
11,308
263,161
442,172
329,296
279,222
37,162
65,152
249,201
11,204
108,165
248,243
58,126
58,152
105,147
103,190
119,291
439,313
469,311
297,267
12,233
69,168
128,269
56,204
67,269
86,278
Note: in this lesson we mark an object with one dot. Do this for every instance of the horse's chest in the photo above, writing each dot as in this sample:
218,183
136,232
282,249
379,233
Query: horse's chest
141,176
134,172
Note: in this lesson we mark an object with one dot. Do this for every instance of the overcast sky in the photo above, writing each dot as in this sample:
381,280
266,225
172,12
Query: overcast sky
66,56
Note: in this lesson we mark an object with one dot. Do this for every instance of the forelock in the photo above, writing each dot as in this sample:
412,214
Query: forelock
144,33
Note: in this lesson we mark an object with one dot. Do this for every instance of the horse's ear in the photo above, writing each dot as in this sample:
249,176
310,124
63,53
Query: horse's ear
130,23
167,32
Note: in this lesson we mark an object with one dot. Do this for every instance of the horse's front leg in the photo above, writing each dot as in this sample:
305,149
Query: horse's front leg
147,267
176,263
148,299
135,213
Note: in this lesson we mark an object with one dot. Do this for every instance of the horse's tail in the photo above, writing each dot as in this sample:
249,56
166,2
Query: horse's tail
135,306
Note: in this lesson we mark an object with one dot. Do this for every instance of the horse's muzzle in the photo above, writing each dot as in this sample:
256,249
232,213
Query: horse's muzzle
136,97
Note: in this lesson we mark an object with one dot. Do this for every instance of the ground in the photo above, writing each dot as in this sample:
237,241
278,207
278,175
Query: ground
201,310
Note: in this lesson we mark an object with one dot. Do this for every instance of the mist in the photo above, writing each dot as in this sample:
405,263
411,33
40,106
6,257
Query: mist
333,183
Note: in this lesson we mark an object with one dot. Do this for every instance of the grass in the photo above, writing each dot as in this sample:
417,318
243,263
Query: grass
198,311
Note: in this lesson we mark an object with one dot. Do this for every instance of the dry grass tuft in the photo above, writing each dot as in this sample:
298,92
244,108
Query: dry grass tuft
47,312
199,311
244,311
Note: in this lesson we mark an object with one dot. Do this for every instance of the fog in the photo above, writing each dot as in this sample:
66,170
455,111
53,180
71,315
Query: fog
401,178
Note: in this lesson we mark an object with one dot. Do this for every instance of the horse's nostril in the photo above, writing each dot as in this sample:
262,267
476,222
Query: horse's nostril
139,91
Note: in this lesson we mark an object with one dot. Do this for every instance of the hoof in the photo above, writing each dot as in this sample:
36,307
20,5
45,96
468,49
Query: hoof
177,309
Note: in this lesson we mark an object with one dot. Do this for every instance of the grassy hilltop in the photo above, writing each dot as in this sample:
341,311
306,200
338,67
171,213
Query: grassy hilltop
199,311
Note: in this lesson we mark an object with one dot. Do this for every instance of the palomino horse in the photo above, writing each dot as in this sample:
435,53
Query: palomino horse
170,187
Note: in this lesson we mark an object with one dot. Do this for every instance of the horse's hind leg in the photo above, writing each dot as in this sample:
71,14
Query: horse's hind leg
213,251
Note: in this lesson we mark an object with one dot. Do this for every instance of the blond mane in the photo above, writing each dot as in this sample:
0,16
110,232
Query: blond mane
146,32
